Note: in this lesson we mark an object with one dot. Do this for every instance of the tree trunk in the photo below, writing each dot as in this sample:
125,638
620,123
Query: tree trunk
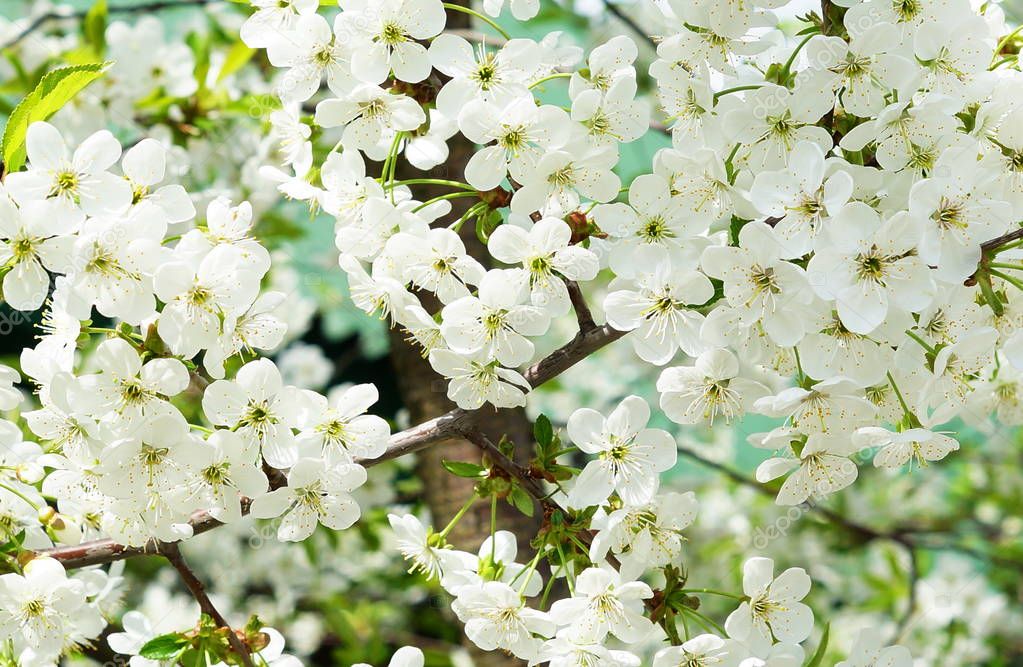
424,394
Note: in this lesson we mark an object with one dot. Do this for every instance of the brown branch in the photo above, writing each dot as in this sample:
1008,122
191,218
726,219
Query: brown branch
616,11
172,553
457,422
585,343
529,483
908,537
1014,235
582,310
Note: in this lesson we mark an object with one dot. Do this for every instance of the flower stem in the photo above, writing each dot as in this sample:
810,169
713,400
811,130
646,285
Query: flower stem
705,621
387,170
711,591
547,591
792,58
1002,42
902,401
493,527
20,495
1015,282
685,627
429,181
924,344
564,565
736,89
458,516
529,570
984,281
556,75
475,209
450,195
486,19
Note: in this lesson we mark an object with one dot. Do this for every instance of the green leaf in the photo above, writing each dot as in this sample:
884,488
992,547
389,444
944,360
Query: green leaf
194,658
163,647
486,223
463,469
237,57
543,431
822,648
521,500
14,544
94,27
200,45
56,89
734,227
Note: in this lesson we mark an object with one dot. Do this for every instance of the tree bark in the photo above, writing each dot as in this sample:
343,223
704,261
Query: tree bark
424,394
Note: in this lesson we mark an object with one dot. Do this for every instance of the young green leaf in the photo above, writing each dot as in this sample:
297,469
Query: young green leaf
463,469
94,27
521,500
163,647
237,57
54,90
543,431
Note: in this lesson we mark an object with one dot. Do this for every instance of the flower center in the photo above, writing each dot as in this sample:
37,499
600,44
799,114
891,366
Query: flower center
764,279
138,192
809,206
513,138
493,322
22,248
949,215
373,108
485,75
906,10
333,431
540,266
563,177
323,56
65,183
34,607
392,33
153,456
655,229
599,124
216,474
763,607
921,158
133,393
871,265
311,496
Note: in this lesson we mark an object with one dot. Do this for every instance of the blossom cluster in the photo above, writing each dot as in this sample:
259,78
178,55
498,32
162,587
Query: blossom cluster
114,450
830,210
830,240
839,210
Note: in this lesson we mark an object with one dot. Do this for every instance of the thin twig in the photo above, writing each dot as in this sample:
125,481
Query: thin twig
530,484
1005,238
913,576
582,311
629,22
58,15
907,537
172,553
